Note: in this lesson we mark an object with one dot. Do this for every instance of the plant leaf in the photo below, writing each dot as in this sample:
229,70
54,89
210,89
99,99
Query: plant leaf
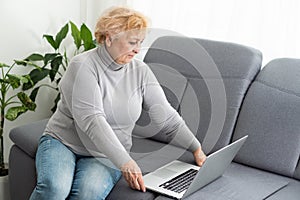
35,57
57,81
14,80
66,59
34,93
26,101
35,75
55,63
86,37
3,65
76,35
49,57
4,80
26,63
25,79
61,34
14,112
21,62
53,109
29,84
51,41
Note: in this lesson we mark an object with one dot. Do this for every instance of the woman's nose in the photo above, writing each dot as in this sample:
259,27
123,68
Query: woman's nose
137,48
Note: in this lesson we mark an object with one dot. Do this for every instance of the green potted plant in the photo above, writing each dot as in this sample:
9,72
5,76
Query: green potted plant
48,65
12,103
53,64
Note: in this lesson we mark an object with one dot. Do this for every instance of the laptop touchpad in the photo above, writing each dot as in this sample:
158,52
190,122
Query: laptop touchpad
164,173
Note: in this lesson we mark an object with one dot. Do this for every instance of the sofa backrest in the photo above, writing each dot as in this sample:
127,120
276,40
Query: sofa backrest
270,115
205,81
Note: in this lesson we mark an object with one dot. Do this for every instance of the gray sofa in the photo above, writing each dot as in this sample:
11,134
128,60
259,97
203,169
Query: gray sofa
221,92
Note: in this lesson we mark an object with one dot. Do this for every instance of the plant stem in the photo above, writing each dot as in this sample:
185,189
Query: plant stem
1,154
3,105
3,171
1,139
10,68
10,99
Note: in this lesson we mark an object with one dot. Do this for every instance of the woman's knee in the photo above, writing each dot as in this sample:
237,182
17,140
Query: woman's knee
94,180
50,189
93,192
55,165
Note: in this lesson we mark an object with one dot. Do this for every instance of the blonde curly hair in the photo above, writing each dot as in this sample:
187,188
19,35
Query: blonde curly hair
117,20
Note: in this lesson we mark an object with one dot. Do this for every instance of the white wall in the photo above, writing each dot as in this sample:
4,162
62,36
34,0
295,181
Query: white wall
22,25
272,26
94,9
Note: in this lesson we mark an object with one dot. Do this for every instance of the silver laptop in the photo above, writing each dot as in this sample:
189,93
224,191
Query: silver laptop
178,179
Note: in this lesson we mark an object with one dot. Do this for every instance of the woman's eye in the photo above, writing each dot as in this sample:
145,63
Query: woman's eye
132,43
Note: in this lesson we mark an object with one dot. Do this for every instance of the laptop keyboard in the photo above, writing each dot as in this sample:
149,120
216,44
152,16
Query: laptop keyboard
180,182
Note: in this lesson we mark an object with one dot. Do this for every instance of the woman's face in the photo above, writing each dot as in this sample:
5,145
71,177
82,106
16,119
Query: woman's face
124,46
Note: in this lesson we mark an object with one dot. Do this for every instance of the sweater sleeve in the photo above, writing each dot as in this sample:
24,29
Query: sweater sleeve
164,116
87,110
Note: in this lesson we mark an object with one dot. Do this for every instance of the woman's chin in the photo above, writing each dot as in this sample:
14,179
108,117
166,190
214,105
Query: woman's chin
126,60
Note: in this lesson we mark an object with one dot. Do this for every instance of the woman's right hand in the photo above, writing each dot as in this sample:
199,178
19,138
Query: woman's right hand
133,175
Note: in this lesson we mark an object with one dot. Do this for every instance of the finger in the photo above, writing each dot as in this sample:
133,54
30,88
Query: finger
136,184
141,183
132,181
201,161
129,181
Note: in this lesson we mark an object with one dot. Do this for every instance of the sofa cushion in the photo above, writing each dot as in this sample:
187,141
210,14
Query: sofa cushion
217,77
290,192
142,147
205,115
27,136
240,182
282,73
238,65
270,116
122,191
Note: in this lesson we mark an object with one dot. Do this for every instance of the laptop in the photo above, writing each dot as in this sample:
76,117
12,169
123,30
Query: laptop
178,179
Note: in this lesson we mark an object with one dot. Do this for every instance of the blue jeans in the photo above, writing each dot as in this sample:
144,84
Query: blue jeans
61,174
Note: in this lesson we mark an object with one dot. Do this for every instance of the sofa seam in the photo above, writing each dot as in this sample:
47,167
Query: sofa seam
183,94
297,168
219,78
287,91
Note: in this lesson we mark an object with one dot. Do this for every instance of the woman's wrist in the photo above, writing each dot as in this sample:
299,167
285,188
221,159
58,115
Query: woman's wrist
199,156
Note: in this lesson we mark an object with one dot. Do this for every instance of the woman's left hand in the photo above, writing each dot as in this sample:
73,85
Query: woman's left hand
199,156
133,175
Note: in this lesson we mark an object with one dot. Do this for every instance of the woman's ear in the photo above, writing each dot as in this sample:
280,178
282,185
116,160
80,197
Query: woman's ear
108,40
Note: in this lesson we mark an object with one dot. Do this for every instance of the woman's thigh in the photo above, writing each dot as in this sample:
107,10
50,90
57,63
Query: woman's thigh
55,165
94,178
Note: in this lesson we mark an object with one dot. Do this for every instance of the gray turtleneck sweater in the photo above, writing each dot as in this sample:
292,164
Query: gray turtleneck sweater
101,101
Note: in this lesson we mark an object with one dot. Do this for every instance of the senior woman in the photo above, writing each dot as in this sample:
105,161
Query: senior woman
85,147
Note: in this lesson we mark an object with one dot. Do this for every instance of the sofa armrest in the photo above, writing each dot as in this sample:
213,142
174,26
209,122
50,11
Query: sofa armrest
26,137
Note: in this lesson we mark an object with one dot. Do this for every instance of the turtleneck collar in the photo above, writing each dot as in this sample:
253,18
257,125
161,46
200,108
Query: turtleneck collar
108,60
